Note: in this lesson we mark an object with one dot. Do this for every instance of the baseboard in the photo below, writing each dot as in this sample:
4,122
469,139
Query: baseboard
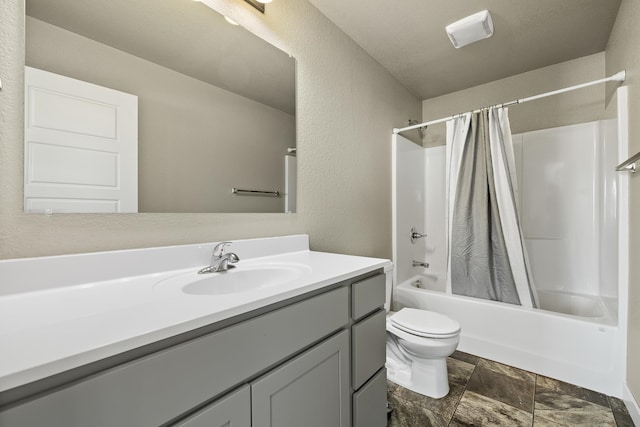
631,404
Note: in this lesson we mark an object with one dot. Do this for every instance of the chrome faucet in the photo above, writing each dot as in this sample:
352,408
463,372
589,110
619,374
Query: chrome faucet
220,260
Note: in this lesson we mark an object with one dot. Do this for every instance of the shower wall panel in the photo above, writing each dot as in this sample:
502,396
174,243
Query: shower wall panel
409,206
435,209
560,207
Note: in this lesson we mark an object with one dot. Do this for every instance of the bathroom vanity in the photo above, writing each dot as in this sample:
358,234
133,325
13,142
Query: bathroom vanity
299,340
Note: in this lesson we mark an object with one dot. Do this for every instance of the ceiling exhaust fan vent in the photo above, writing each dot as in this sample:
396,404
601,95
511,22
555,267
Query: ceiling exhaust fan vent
471,29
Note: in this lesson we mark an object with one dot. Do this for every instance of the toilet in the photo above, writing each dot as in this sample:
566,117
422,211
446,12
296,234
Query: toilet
418,344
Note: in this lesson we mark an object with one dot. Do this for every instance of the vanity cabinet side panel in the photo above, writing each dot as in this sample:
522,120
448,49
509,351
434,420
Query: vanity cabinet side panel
312,390
160,387
233,410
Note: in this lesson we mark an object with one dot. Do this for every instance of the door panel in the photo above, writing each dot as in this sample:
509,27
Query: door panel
312,390
81,146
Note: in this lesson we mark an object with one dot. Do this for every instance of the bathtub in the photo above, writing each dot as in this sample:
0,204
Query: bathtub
573,338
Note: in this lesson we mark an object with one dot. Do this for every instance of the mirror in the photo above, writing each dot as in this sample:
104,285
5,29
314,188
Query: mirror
215,110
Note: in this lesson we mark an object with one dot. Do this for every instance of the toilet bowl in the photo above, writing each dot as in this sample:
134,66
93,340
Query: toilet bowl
418,344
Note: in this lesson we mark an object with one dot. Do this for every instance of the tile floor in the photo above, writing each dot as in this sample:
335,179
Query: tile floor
487,393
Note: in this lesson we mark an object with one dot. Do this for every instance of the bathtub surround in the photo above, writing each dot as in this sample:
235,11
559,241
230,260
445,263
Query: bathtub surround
570,211
569,191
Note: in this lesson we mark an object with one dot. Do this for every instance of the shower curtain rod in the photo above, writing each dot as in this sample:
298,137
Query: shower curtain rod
619,77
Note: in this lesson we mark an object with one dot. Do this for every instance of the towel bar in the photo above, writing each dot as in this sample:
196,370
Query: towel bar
629,165
275,193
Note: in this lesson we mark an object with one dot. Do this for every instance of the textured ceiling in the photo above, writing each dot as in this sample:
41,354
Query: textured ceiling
408,38
184,36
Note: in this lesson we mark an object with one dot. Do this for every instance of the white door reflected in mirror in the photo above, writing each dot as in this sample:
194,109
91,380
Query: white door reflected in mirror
81,146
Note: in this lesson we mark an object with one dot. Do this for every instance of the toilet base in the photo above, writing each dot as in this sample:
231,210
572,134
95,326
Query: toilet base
425,376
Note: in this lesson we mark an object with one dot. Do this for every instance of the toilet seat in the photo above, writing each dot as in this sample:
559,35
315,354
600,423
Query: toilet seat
425,323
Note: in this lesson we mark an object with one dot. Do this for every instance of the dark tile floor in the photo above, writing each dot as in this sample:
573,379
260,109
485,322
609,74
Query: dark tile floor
487,393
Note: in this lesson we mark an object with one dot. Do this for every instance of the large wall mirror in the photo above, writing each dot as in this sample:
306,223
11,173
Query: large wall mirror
154,106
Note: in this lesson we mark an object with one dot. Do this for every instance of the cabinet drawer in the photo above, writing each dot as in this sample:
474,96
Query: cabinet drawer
367,296
368,347
154,389
370,402
233,409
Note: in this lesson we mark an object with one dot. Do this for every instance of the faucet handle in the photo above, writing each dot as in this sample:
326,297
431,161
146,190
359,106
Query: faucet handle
218,250
415,235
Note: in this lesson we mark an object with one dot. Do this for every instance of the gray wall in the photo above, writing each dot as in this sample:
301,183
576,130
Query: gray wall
623,53
196,141
347,106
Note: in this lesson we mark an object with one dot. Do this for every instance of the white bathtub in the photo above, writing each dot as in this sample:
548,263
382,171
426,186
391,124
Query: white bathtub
581,344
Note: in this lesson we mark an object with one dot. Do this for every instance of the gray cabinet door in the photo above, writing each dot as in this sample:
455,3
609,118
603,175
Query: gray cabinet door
233,410
370,402
311,390
369,347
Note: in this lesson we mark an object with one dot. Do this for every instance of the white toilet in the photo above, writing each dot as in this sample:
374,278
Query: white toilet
418,343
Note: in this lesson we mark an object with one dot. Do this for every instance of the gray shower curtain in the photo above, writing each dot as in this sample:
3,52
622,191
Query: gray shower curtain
487,256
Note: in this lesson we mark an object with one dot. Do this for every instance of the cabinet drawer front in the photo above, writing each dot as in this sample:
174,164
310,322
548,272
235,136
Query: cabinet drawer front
367,296
157,388
369,347
233,409
370,402
311,390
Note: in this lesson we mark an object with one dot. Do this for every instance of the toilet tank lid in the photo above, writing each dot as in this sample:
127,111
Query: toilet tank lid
423,321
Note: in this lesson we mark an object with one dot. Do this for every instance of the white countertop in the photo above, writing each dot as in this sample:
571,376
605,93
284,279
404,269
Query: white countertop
51,329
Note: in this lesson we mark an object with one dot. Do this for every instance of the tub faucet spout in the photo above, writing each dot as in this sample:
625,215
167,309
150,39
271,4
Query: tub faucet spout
420,264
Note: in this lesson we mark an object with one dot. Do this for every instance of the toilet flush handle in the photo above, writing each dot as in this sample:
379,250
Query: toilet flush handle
415,235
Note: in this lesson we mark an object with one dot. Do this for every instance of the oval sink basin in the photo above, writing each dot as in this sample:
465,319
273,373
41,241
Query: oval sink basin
237,280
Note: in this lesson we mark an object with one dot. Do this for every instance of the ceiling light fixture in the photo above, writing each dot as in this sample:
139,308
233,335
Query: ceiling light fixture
471,29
